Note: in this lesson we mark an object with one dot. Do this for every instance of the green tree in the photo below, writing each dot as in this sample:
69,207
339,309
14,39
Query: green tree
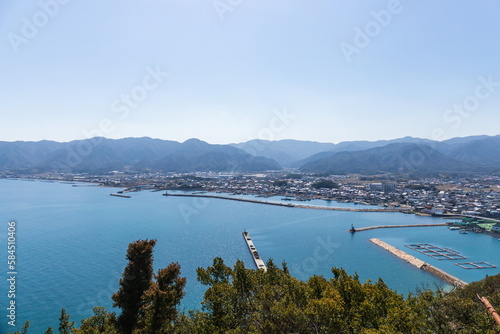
65,326
241,300
25,328
329,184
217,273
49,331
135,281
101,322
161,300
218,297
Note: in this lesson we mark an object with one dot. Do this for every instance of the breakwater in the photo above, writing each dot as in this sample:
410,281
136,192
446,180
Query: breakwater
259,263
394,226
119,195
288,205
420,264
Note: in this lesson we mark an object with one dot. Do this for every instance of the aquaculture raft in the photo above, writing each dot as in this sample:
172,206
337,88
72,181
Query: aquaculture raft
437,253
476,265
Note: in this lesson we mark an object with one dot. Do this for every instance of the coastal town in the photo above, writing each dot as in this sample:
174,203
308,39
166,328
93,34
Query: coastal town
446,196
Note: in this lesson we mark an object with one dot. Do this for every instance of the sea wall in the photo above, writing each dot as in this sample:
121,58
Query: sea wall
399,253
420,264
444,275
395,226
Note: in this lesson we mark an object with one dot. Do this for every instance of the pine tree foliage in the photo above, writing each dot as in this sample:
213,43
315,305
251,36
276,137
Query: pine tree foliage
49,331
65,326
161,300
135,281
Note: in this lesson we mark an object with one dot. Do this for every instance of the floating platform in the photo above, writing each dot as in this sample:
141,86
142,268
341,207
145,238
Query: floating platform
437,253
476,265
259,263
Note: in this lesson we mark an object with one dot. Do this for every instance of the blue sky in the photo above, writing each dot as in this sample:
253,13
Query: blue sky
318,70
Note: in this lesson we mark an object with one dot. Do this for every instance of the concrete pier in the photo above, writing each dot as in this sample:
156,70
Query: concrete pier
253,251
394,226
120,195
399,253
420,264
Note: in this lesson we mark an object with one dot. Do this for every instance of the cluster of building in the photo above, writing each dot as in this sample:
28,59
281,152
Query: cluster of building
472,196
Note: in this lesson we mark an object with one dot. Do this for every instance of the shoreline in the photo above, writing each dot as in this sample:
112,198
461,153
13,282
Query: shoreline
288,205
84,183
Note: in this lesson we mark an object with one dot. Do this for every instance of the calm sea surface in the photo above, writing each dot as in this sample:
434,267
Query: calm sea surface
71,244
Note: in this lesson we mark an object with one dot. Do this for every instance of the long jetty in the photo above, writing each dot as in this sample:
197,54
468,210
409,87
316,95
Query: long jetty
120,195
420,264
394,226
288,205
253,251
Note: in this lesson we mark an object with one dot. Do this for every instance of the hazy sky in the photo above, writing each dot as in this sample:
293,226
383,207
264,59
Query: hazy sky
233,70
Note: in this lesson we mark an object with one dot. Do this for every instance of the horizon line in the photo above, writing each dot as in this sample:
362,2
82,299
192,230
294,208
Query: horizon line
254,139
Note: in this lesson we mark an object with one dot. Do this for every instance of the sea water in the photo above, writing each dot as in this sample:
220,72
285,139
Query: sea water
71,244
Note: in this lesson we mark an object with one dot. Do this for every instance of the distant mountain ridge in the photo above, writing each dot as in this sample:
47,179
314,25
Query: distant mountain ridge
482,151
286,152
393,158
475,153
352,146
138,154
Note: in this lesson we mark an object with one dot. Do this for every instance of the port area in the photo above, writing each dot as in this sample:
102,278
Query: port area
420,264
259,263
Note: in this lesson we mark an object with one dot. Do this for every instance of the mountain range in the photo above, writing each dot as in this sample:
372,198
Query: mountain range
100,155
469,154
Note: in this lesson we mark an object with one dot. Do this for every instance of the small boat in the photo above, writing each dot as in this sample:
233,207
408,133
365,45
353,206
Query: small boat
454,228
463,231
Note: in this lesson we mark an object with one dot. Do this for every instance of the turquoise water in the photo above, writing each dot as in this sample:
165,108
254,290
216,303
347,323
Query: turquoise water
72,243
